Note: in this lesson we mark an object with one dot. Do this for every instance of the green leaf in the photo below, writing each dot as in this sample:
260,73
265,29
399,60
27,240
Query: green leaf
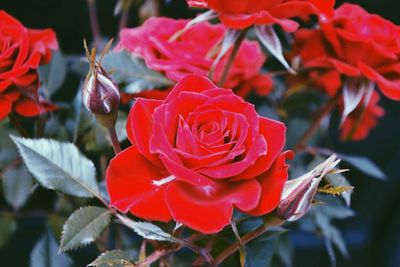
365,165
44,254
53,74
7,228
260,252
59,166
17,186
147,230
133,72
114,258
83,227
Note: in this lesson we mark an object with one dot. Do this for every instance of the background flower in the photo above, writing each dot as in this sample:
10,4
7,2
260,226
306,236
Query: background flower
194,52
359,123
354,44
197,155
22,50
240,14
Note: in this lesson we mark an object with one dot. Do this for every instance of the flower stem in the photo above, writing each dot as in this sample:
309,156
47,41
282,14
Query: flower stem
94,23
123,21
232,57
270,221
114,140
324,111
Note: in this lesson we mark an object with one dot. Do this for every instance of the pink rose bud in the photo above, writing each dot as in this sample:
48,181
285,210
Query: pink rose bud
298,194
100,93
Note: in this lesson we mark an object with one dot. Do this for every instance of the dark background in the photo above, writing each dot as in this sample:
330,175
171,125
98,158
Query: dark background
373,236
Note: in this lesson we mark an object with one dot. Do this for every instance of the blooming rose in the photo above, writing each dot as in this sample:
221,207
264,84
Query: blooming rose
359,123
194,52
22,50
353,44
240,14
197,155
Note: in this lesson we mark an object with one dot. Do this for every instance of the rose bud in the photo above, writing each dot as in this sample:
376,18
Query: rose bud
100,93
298,194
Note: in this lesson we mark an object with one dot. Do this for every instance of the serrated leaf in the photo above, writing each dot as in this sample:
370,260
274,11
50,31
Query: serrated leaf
7,228
59,166
133,72
365,165
44,253
83,227
53,74
147,230
114,258
17,186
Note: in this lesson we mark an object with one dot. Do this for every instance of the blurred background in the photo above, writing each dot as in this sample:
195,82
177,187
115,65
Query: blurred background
373,236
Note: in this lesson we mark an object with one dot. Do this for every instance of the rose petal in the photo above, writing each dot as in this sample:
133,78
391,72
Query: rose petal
191,83
140,126
130,183
274,133
208,209
272,183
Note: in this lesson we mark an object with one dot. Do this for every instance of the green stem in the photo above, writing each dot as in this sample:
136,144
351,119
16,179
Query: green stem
114,140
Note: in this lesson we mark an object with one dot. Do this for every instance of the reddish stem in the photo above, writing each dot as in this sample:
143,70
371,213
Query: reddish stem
232,57
325,110
270,221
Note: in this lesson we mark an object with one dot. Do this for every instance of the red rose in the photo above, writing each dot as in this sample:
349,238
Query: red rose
240,14
197,155
22,50
354,44
359,123
194,52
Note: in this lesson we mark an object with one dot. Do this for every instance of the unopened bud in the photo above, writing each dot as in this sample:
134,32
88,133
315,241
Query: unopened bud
101,94
298,194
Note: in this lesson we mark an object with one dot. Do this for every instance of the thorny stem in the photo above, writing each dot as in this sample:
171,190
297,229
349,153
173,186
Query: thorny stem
114,140
316,122
270,221
94,23
232,57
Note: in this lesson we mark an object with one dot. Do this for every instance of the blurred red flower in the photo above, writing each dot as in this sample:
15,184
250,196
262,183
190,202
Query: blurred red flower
197,155
22,50
362,120
240,14
194,52
353,44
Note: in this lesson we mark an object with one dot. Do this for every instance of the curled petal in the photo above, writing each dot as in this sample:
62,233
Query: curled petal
208,209
136,190
272,183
